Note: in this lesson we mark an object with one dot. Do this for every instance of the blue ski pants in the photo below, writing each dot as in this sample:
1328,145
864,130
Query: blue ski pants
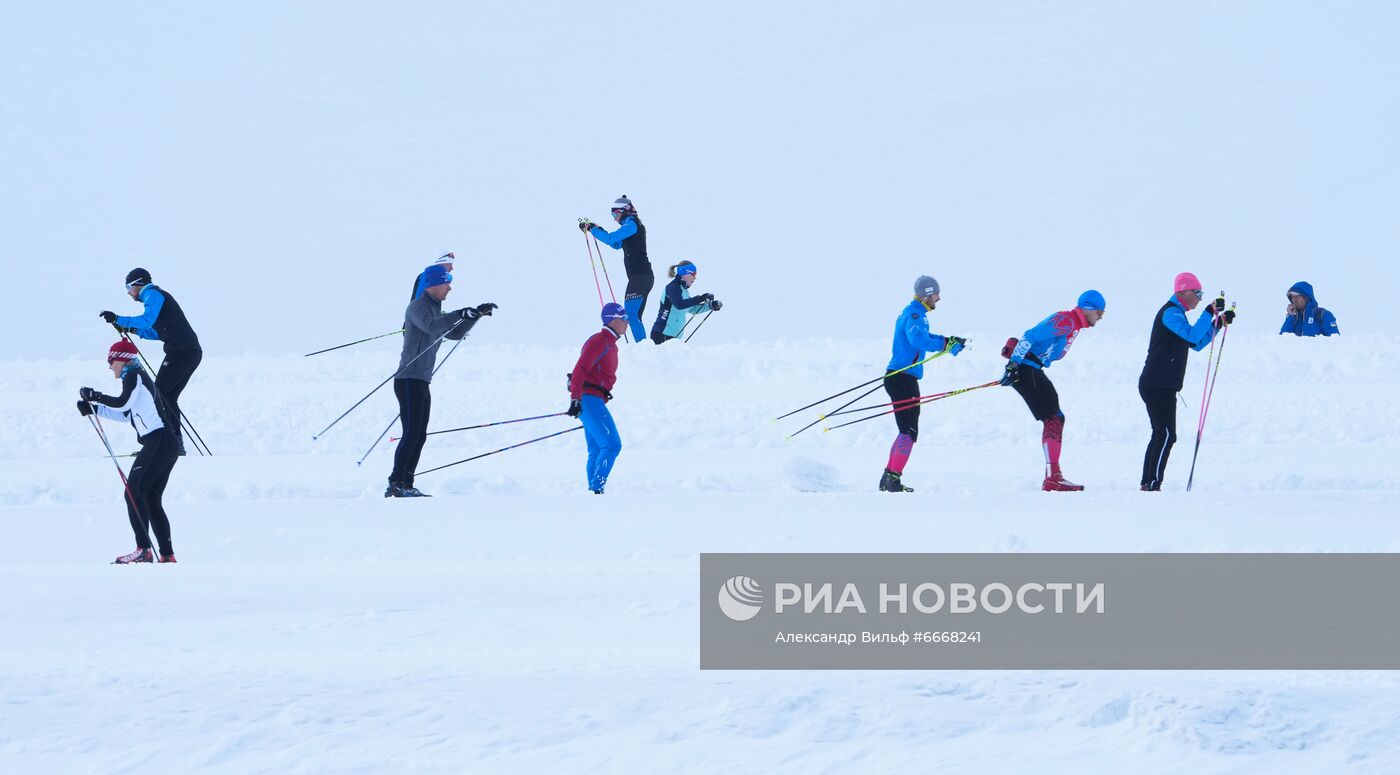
603,442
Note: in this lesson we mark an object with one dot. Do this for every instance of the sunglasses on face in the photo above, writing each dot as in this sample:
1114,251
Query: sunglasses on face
1199,295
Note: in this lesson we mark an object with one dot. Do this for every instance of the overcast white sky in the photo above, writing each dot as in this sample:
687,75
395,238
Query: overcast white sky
285,168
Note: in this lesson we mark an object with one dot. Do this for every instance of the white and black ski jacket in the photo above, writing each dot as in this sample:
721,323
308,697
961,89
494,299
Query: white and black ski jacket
136,404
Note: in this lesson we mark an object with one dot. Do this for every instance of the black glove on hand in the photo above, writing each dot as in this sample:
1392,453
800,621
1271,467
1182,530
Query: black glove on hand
1010,376
575,408
84,408
467,313
485,309
585,225
715,304
110,317
1229,316
87,393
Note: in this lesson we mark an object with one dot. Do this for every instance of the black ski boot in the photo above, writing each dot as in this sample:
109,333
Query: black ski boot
404,491
890,483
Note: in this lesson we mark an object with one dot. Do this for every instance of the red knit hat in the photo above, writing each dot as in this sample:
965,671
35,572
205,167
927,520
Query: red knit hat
123,350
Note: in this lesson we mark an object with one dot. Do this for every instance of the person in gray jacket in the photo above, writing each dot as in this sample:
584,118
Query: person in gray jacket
425,325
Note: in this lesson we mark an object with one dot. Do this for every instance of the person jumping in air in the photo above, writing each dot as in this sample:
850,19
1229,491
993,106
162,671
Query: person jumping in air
911,340
151,471
425,325
677,305
162,320
1047,342
1164,370
447,261
631,238
590,388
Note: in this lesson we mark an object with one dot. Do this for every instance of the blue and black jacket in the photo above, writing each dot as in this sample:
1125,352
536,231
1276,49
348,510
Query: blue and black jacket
631,239
162,320
1171,342
912,339
1313,321
676,305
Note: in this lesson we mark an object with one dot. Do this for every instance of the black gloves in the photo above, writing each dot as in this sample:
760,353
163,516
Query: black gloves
584,225
84,408
1226,318
467,313
87,393
715,304
1010,376
485,309
110,317
575,408
1216,306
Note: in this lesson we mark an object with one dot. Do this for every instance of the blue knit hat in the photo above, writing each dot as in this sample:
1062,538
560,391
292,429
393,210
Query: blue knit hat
436,275
613,311
1091,301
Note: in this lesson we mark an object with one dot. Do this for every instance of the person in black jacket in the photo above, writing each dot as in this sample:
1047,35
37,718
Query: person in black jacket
151,470
1173,338
631,238
162,320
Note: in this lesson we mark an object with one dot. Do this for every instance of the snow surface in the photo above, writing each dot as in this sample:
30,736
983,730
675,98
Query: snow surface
515,623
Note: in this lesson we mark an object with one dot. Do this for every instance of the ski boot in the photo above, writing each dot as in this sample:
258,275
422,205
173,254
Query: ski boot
404,491
890,483
167,558
135,556
1058,483
1154,487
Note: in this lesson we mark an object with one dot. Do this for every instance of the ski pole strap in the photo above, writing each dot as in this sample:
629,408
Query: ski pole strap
502,449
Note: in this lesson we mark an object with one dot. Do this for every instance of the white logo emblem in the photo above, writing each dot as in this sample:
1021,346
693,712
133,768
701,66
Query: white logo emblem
740,598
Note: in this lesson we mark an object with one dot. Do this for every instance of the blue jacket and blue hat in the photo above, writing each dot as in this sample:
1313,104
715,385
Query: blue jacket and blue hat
1313,321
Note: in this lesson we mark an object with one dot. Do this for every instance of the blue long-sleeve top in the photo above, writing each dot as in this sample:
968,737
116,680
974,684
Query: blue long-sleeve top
912,339
144,325
1050,339
1198,336
614,239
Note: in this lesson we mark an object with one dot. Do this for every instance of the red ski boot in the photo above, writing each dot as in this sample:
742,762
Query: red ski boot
1058,483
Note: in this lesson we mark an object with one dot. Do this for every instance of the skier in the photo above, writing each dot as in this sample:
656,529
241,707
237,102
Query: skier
677,305
590,388
162,320
1304,317
911,340
1047,342
631,238
446,261
424,327
151,470
1164,370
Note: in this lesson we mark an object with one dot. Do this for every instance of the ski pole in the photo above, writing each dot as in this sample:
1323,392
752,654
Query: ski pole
386,381
185,421
350,344
697,327
594,266
502,449
839,408
903,403
857,387
487,425
931,399
97,426
1205,406
604,263
385,432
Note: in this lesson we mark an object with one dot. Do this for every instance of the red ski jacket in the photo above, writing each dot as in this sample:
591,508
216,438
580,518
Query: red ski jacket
596,370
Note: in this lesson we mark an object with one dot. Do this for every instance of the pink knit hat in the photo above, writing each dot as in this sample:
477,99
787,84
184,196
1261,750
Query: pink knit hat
1186,282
